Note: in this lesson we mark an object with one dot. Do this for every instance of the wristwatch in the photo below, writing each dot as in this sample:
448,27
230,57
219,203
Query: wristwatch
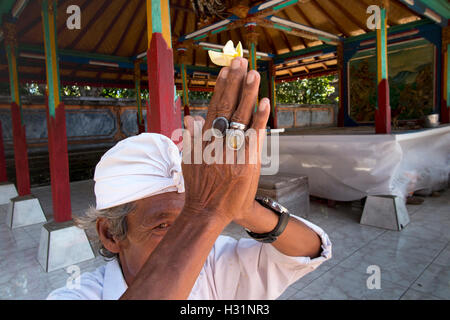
283,219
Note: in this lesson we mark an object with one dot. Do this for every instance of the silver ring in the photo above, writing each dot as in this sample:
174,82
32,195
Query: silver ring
235,139
220,126
238,126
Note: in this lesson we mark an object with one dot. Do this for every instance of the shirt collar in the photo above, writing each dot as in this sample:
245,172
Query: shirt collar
114,285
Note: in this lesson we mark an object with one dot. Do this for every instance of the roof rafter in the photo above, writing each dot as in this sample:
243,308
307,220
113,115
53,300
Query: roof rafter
112,23
423,8
289,18
259,11
330,18
86,28
125,31
299,29
350,16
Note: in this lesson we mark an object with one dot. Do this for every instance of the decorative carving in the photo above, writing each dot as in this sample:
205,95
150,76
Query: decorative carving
182,55
240,10
251,36
205,9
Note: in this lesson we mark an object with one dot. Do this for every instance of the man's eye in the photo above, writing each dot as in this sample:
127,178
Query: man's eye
163,226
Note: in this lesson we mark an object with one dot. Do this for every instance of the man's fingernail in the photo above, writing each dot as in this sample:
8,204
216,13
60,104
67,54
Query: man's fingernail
263,105
224,73
250,77
236,63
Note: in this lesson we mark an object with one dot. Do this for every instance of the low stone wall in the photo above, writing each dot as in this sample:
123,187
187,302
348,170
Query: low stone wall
90,123
293,116
93,126
297,116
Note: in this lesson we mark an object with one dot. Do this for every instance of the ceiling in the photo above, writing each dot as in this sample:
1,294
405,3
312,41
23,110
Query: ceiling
118,28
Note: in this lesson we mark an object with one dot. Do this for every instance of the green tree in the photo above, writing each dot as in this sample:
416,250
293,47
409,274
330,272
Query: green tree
117,93
307,91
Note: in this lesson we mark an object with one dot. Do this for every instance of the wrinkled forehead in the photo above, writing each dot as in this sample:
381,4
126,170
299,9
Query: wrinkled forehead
164,204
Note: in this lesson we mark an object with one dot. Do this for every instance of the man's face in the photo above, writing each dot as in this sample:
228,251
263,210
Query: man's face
147,225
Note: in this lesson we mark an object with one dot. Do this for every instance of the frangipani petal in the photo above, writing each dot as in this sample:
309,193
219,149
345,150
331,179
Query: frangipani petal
239,50
220,59
229,53
229,48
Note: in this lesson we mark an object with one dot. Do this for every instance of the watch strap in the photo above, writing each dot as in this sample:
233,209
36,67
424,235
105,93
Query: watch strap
283,219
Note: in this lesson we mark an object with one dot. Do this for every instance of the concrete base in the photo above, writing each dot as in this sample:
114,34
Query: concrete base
24,211
7,191
63,244
388,212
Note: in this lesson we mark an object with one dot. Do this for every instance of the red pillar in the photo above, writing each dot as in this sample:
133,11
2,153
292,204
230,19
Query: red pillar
59,164
3,176
164,116
18,128
383,113
56,118
20,152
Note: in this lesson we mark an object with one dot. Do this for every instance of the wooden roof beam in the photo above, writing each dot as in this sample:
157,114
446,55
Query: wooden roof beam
330,17
299,29
268,8
270,41
87,27
111,24
350,16
259,11
286,15
176,6
424,8
124,33
320,61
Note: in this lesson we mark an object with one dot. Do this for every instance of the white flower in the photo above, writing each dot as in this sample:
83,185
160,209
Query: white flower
229,53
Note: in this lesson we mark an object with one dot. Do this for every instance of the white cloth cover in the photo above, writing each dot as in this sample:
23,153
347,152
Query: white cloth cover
138,167
234,270
351,167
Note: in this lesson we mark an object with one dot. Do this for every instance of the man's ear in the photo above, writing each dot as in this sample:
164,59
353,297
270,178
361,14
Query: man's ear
105,237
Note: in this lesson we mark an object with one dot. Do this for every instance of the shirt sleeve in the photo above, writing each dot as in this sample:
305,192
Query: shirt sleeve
251,270
90,287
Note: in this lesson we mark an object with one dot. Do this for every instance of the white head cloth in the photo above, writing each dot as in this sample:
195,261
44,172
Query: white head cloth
138,167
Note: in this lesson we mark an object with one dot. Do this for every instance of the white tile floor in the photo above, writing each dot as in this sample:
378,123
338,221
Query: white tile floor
414,263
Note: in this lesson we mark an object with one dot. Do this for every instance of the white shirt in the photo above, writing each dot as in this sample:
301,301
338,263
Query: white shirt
234,270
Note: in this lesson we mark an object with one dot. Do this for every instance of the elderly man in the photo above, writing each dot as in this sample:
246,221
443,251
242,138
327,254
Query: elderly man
159,219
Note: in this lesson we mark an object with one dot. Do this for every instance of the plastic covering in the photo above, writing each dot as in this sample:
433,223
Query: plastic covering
351,167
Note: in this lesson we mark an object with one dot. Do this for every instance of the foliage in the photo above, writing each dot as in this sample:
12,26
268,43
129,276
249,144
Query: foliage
199,95
307,91
196,96
118,93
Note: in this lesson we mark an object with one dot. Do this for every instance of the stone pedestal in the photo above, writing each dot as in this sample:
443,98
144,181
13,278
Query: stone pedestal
24,211
63,244
7,191
291,191
387,212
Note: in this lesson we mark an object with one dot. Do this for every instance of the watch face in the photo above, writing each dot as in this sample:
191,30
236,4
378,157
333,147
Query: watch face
279,207
275,205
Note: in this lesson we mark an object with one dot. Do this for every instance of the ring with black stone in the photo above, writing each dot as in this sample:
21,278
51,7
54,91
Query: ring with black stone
220,126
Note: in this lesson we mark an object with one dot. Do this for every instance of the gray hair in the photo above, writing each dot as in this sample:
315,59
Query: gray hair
117,221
